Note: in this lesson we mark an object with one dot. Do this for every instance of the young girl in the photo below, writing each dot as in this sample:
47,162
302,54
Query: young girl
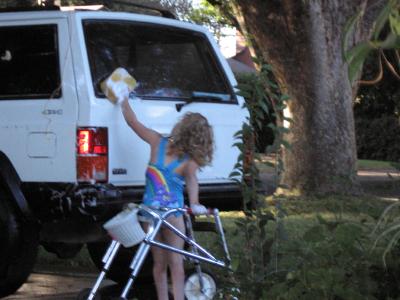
175,160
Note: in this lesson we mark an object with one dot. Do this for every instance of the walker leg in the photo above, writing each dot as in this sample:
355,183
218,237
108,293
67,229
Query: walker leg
139,258
137,263
218,224
107,260
190,233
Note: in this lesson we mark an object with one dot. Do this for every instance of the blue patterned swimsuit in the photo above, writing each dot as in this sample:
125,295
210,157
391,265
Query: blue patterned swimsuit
164,187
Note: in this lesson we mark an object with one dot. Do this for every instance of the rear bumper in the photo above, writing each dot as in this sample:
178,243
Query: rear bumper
67,208
100,202
89,206
224,196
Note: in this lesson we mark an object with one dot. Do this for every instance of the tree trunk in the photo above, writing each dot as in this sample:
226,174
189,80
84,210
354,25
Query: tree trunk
302,40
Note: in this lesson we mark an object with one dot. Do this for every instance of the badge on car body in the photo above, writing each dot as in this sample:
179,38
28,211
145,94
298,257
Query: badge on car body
52,112
119,171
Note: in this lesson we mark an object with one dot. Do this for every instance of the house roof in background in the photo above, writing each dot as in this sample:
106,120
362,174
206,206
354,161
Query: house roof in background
239,67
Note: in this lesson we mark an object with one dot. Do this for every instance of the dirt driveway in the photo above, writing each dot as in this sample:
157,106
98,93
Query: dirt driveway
67,286
52,286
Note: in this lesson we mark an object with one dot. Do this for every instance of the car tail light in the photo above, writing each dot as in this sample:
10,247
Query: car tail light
92,154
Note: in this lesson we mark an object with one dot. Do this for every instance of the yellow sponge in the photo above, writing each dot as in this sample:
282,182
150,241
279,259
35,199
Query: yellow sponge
118,85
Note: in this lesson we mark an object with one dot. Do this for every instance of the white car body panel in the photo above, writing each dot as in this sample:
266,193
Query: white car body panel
42,147
39,135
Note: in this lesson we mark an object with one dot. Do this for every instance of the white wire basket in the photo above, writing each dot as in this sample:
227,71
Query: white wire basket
125,228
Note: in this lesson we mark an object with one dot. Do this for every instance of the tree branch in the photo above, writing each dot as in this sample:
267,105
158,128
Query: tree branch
378,77
227,12
390,67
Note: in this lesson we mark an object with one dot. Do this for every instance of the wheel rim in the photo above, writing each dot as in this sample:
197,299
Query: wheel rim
193,290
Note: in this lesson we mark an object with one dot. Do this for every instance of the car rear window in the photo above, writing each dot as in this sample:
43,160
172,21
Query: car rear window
29,64
167,62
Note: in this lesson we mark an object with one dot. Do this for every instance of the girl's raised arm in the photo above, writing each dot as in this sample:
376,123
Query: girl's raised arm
150,136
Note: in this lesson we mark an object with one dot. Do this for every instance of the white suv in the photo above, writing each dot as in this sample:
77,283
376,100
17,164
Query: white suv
68,160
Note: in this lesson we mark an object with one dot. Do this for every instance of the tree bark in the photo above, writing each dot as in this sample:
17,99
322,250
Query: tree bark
302,40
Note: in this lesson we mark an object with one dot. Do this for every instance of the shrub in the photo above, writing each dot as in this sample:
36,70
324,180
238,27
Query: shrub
378,139
265,104
329,261
377,115
331,255
260,106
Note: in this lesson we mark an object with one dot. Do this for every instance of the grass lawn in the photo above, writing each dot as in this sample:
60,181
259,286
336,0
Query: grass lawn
331,234
297,250
266,164
300,215
364,164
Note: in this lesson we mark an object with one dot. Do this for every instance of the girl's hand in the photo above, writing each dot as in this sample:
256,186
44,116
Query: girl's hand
121,92
198,209
118,86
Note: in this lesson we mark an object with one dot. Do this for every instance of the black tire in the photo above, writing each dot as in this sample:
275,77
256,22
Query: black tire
119,271
19,243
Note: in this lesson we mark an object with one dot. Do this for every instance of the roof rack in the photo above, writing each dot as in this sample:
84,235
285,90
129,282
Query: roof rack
82,7
29,8
163,12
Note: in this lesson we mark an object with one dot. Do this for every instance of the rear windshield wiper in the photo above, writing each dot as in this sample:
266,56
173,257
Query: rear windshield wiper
204,97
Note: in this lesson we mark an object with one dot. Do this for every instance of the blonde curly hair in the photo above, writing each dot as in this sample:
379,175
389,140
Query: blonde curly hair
193,136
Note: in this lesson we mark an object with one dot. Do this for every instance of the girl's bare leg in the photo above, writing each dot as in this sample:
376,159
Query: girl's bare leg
160,265
160,272
175,260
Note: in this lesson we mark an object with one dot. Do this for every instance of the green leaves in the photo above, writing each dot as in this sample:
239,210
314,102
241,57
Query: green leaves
331,262
394,20
314,234
356,56
349,29
388,12
264,102
347,234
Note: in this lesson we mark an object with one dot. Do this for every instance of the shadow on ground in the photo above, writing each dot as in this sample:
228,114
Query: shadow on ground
113,291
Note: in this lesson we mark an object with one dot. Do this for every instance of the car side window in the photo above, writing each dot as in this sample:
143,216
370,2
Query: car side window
29,62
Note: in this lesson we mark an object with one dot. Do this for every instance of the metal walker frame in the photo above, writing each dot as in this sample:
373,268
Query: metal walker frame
196,254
